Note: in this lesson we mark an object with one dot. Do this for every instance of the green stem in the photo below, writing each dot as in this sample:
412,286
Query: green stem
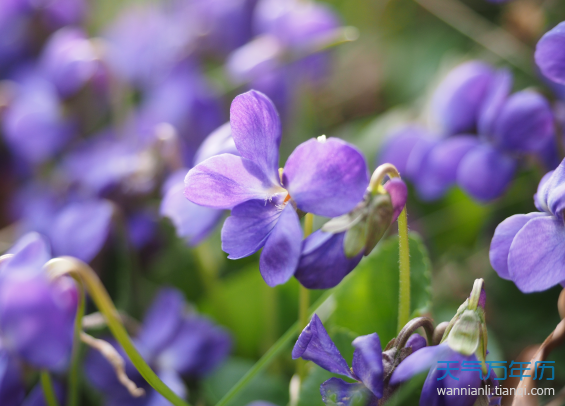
271,355
48,391
404,274
74,380
71,266
304,300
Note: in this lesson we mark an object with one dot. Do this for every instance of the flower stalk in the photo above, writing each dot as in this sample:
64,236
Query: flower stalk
48,392
58,267
304,299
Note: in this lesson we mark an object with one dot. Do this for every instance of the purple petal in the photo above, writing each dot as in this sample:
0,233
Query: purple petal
417,169
458,98
550,54
398,192
499,89
536,258
81,229
323,263
485,173
192,222
256,130
525,123
224,181
416,342
368,362
551,192
249,226
326,177
439,168
417,362
540,198
162,321
335,391
220,141
502,240
314,344
198,348
281,253
30,252
12,390
398,147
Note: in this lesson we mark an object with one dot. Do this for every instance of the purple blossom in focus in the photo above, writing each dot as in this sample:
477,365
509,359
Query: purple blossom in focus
527,248
324,177
174,342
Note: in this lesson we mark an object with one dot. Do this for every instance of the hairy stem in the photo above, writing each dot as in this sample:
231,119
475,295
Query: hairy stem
404,274
304,300
71,266
48,392
74,374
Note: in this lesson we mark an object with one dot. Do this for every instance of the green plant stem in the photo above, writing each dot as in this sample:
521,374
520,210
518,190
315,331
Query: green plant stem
271,354
404,274
71,266
74,375
304,300
48,391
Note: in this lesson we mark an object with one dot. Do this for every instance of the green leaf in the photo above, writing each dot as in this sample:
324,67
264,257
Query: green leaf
367,301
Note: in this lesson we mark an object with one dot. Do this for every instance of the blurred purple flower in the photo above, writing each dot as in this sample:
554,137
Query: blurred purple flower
34,124
37,397
69,60
527,248
172,341
12,389
550,54
325,177
36,314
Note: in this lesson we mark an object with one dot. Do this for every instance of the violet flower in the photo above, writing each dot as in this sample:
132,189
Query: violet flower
527,248
36,314
550,54
324,177
173,342
328,257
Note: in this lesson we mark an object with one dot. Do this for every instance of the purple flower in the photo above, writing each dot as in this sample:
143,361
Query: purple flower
527,248
433,358
324,177
314,344
34,124
12,390
193,222
36,313
550,54
69,60
174,342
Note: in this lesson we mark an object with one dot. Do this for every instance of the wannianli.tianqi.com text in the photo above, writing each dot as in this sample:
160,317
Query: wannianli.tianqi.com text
496,391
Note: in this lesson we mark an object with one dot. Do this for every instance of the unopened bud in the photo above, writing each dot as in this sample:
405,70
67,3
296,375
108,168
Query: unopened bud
439,332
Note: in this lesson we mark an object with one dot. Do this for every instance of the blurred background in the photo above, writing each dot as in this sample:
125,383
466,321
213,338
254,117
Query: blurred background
102,103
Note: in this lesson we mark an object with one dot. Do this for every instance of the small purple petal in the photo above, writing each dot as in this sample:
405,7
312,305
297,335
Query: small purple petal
485,173
323,263
416,342
224,181
326,177
81,229
535,261
30,252
551,192
220,141
336,391
12,390
502,240
458,98
247,229
314,344
398,147
281,253
418,361
368,362
256,130
417,170
540,198
525,123
550,54
162,321
398,192
499,89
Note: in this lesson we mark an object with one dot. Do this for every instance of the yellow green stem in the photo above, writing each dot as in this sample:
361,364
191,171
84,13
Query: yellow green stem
304,300
48,391
71,266
404,274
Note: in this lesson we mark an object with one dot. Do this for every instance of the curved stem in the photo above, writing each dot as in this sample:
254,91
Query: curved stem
71,266
304,300
404,271
425,322
74,380
48,391
379,174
